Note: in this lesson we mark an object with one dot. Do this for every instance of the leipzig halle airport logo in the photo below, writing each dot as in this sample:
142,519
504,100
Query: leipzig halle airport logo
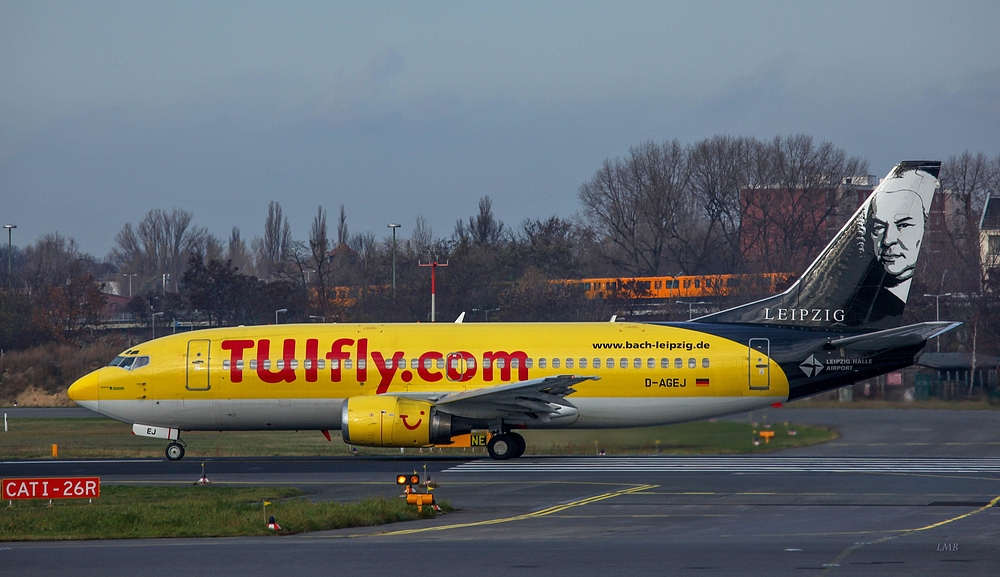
811,367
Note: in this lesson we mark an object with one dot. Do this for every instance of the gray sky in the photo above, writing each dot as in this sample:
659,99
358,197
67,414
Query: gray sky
110,109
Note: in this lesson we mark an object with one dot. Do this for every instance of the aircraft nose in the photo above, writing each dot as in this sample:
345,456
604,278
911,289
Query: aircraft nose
84,390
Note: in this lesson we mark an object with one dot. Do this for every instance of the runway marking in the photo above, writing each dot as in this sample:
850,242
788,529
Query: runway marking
735,464
82,462
905,532
542,513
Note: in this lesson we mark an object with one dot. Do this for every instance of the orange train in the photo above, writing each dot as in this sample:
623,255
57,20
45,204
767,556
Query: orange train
684,286
651,288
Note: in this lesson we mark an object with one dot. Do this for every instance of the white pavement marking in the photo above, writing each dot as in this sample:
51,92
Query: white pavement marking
82,462
736,464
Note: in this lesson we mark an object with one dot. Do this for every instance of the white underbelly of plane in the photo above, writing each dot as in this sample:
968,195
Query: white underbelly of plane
320,414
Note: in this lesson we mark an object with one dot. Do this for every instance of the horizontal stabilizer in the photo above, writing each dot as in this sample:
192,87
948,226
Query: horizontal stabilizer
895,338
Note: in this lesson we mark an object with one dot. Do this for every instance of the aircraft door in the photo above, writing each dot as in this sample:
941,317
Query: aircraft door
759,365
460,367
198,361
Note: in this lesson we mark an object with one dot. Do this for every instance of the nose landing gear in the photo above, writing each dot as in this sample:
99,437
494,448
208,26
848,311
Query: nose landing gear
175,451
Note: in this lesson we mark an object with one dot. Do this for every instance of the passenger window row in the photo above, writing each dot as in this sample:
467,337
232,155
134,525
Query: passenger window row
543,363
623,363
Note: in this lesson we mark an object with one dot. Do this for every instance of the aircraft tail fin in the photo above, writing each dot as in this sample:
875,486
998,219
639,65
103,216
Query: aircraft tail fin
862,278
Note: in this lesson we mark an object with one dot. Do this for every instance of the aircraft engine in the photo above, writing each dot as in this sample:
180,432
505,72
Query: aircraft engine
386,421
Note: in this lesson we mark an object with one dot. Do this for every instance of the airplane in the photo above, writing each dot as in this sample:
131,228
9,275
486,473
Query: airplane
419,385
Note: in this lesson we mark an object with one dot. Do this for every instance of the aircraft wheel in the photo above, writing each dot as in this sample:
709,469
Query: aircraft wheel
519,445
501,447
175,451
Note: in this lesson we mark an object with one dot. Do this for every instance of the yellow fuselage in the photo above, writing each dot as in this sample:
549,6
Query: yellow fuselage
294,376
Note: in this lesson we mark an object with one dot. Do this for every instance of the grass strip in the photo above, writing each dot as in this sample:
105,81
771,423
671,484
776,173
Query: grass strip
106,438
198,511
702,437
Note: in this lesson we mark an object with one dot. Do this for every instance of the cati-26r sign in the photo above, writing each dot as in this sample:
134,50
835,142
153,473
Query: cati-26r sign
52,488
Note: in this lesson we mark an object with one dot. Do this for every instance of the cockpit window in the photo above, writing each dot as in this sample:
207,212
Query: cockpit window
129,363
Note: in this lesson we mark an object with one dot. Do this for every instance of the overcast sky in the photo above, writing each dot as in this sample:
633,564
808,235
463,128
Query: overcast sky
110,109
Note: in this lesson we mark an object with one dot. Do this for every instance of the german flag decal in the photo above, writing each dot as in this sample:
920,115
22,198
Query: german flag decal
701,382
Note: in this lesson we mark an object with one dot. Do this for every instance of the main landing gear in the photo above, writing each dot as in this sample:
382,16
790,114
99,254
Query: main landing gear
506,445
175,451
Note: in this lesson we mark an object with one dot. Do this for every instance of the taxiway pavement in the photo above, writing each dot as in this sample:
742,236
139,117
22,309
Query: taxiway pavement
901,492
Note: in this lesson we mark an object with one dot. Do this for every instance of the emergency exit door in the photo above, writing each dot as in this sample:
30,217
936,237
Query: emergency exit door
759,365
198,362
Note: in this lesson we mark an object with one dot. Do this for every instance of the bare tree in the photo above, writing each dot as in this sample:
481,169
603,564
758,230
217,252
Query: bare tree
422,237
636,205
273,249
483,229
797,201
319,251
342,233
53,260
160,244
238,254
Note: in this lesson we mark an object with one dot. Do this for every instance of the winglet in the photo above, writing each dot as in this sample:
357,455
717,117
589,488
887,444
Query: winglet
460,318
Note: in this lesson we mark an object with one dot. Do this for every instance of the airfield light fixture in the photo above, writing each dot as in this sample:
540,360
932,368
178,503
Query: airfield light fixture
276,314
413,479
322,319
394,226
130,282
9,227
152,321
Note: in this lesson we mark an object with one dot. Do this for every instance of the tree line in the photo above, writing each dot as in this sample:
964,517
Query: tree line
720,205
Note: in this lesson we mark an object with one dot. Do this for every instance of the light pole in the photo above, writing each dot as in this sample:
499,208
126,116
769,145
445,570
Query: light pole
394,226
937,306
433,264
322,319
276,314
691,307
9,227
152,321
130,283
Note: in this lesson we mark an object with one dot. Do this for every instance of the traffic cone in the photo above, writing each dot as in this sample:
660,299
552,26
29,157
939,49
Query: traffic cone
272,525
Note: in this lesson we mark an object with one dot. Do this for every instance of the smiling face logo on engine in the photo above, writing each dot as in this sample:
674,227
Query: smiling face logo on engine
811,367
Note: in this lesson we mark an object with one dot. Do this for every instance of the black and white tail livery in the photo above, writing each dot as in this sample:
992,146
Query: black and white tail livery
862,278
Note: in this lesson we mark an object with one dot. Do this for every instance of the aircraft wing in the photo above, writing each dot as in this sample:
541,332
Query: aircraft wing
894,338
539,399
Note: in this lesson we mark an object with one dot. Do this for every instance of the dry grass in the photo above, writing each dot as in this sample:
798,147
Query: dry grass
39,377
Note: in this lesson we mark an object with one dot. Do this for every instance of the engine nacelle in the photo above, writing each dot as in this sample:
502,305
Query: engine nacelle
386,421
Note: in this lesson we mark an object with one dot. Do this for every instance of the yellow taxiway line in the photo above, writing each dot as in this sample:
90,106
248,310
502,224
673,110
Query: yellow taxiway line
542,513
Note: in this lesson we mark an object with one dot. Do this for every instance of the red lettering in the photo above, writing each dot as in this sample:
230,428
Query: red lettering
337,356
286,373
312,355
490,360
386,373
362,368
236,357
424,371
